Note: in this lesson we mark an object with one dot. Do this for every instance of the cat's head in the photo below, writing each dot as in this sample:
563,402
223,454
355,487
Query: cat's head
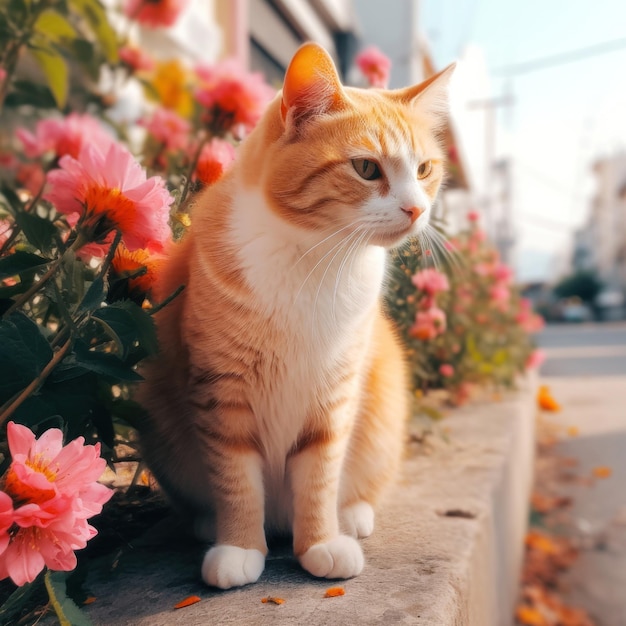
358,159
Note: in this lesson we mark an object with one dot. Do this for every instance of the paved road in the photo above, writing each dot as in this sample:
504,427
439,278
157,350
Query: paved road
586,370
584,349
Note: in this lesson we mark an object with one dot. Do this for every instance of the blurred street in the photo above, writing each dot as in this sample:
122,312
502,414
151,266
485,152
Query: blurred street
586,372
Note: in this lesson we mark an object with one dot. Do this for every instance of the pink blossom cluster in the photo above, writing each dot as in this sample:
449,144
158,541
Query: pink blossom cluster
233,98
48,494
430,320
375,66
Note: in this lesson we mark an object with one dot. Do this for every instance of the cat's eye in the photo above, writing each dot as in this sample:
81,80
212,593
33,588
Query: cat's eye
424,169
366,169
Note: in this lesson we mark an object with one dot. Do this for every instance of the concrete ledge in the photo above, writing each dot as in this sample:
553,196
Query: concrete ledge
447,549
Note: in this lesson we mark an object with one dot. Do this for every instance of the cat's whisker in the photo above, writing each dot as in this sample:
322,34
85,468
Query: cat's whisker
450,256
319,243
352,250
344,243
320,260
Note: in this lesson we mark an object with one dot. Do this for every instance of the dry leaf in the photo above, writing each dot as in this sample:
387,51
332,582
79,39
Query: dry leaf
602,471
187,602
333,592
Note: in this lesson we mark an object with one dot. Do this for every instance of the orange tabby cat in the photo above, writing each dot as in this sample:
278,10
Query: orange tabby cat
279,399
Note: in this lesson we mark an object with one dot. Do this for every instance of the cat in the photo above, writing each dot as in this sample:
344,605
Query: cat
280,397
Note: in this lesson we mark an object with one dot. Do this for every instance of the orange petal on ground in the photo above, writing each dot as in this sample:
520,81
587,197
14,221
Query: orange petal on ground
333,592
529,616
272,600
602,471
573,431
187,602
546,401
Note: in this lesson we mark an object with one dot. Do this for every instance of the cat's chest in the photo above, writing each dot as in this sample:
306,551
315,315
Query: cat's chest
318,286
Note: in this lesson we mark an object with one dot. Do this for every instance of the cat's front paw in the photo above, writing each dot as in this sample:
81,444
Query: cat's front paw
230,566
341,557
357,520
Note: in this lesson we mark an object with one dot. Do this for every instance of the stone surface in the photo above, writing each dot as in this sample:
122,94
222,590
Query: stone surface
446,549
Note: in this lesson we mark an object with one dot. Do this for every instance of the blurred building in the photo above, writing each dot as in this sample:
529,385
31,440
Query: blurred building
600,245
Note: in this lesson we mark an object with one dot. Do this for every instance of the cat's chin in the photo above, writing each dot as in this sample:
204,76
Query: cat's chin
391,239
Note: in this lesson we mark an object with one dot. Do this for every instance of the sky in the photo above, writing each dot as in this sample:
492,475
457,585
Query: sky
560,119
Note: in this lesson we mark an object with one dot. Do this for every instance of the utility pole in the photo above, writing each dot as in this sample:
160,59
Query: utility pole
498,223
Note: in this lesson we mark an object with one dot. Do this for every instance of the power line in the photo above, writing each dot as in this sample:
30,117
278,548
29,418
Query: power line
561,59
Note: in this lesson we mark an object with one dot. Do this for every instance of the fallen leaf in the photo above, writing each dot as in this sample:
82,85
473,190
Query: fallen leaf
272,600
529,616
602,471
187,602
89,600
333,592
546,401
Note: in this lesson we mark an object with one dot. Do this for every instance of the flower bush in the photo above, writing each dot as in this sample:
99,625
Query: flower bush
465,322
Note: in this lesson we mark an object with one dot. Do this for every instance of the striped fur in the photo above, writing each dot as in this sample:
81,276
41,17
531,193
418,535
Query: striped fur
280,397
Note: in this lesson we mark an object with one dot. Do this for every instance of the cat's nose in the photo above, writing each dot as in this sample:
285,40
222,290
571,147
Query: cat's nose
413,212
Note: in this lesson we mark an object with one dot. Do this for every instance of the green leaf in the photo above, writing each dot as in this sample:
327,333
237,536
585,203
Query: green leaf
19,600
21,264
94,296
67,610
96,16
24,352
54,26
26,92
83,51
15,204
54,67
39,231
131,324
104,364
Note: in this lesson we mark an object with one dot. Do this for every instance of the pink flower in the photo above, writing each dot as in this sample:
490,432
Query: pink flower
6,520
3,74
535,359
231,96
54,490
214,159
499,294
503,273
375,66
109,190
64,136
529,321
428,324
168,128
431,281
154,13
446,370
473,216
136,59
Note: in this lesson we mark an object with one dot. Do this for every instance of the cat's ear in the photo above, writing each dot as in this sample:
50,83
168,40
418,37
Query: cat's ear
431,96
312,86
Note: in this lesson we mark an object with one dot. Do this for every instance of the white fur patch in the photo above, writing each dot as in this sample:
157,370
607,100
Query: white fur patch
319,294
341,557
230,566
357,520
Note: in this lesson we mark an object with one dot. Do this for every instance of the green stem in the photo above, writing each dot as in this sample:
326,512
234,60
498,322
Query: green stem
8,408
27,295
192,168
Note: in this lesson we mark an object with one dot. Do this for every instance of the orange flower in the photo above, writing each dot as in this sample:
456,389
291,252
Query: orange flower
546,401
171,82
128,265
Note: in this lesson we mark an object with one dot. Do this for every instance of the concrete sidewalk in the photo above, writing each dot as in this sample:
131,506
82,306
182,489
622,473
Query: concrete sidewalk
446,550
